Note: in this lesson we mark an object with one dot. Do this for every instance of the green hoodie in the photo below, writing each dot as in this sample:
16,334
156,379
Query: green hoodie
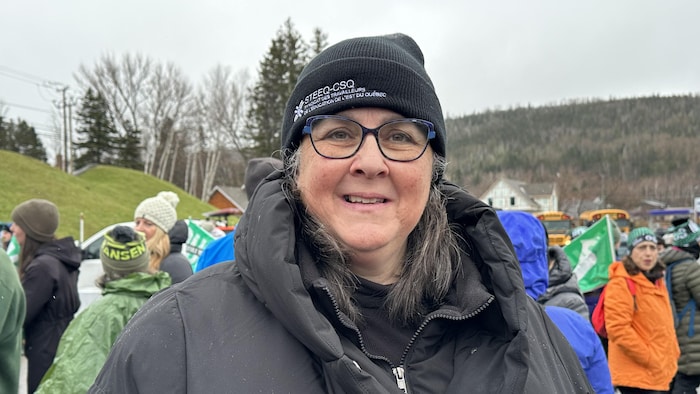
89,337
12,309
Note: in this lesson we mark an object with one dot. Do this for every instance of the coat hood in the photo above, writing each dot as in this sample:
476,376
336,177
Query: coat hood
138,284
673,254
277,279
561,271
178,235
527,234
64,250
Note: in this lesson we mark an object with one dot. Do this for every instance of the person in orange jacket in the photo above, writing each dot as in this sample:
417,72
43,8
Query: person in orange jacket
642,347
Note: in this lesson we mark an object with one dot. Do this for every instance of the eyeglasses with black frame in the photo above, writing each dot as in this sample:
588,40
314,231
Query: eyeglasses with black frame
338,137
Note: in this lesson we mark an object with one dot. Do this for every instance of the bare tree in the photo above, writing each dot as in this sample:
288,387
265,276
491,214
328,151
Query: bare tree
220,115
169,94
120,83
145,95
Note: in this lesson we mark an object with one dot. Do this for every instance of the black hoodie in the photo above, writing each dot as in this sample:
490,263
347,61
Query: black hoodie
50,283
175,263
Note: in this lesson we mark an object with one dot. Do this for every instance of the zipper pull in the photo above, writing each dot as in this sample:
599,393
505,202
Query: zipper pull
399,374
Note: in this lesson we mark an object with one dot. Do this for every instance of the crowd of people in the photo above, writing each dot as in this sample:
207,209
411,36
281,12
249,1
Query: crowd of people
357,268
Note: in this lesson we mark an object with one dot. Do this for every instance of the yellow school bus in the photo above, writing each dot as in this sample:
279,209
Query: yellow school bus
558,225
620,216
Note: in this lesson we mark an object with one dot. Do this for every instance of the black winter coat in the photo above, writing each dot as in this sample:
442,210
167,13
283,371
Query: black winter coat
175,263
562,289
262,324
685,284
50,283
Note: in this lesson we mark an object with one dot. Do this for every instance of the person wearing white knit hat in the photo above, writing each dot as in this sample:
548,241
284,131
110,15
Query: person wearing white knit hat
158,210
155,217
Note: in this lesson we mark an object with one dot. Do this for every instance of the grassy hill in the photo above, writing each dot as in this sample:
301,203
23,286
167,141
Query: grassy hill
103,195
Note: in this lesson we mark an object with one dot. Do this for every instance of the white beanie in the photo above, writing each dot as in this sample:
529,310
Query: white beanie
160,210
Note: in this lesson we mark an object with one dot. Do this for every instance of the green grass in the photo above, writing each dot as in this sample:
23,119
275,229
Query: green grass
103,195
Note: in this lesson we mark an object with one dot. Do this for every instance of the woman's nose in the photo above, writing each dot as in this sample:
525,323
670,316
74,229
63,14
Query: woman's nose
369,159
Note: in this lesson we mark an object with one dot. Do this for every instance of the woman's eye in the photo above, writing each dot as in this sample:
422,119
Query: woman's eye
400,137
338,134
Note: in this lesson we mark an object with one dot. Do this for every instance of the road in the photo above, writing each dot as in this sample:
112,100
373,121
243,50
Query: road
23,377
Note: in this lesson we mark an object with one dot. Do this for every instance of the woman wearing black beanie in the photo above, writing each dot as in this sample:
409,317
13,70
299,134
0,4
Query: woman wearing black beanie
358,269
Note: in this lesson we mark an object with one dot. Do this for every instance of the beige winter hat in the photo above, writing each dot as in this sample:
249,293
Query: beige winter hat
160,210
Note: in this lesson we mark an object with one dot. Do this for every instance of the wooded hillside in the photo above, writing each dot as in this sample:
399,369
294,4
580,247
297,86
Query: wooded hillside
623,151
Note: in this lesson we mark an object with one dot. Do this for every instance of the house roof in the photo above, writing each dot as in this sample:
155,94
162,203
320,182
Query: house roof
235,194
539,189
524,190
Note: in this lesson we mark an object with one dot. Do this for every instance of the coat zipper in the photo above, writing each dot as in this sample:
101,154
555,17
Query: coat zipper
400,377
399,371
433,316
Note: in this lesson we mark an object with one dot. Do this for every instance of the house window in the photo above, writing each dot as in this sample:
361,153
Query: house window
512,201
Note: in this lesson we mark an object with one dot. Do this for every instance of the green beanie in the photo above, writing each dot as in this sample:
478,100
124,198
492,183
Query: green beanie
639,235
122,252
685,233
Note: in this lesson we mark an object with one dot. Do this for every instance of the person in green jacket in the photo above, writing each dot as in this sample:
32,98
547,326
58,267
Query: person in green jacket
12,310
127,283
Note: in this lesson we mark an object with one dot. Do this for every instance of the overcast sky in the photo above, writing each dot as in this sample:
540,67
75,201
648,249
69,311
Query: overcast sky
480,55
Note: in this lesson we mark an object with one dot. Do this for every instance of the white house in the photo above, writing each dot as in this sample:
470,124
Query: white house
511,195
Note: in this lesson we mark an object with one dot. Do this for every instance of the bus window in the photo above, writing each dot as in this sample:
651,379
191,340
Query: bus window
620,216
558,225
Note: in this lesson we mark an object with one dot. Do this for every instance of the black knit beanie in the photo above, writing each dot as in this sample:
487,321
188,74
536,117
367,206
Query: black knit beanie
384,71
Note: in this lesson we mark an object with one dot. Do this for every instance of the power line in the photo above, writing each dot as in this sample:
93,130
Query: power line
18,78
26,107
66,105
28,78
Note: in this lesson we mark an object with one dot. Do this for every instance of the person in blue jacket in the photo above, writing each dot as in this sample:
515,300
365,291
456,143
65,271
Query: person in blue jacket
221,249
529,239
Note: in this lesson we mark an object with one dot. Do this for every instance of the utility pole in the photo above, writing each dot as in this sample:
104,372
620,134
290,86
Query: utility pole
70,135
65,129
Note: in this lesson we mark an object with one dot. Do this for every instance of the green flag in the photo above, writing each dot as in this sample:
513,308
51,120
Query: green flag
196,241
13,251
591,253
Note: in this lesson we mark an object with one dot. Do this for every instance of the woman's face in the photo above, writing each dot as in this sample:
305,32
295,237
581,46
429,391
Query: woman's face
367,202
20,236
645,255
146,227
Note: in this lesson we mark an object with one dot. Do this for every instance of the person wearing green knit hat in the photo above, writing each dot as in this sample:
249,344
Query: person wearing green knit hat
683,283
686,234
126,285
642,347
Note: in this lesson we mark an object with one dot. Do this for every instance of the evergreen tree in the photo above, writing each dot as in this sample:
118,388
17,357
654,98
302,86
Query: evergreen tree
287,56
97,134
319,41
27,142
128,148
7,140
